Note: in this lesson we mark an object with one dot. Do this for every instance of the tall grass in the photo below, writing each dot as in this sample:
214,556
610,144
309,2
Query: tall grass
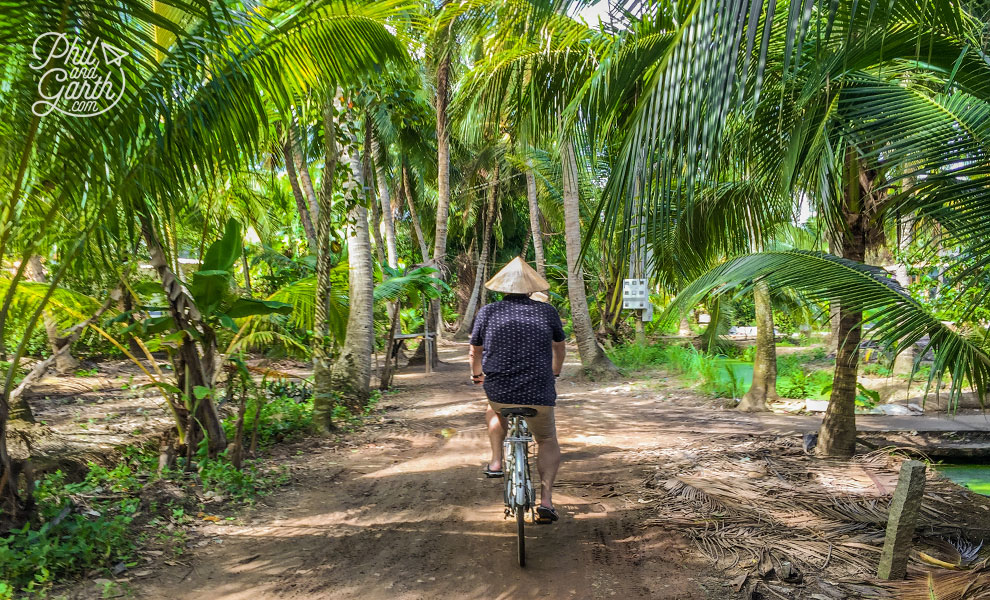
634,356
710,371
799,375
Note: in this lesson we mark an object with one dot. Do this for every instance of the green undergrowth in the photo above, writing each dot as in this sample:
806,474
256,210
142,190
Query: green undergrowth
804,375
97,524
79,526
799,375
279,417
716,375
629,357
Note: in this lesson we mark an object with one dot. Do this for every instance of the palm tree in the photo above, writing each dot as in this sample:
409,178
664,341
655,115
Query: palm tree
444,45
527,85
415,223
764,386
844,126
323,392
477,289
350,377
379,154
479,23
306,215
168,134
593,358
535,223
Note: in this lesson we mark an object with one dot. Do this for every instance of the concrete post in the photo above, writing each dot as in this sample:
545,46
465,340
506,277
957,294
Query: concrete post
902,520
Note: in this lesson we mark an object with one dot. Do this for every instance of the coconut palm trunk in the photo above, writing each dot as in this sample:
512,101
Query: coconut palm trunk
526,242
837,436
302,206
64,361
593,358
467,319
302,169
424,250
534,223
443,186
323,397
385,198
382,204
375,215
195,361
350,376
764,387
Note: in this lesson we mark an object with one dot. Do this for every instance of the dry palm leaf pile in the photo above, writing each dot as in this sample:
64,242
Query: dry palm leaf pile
794,526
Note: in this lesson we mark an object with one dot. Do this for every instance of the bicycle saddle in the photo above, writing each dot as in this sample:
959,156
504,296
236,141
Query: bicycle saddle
520,411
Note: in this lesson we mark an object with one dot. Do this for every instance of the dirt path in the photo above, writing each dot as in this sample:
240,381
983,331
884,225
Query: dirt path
405,514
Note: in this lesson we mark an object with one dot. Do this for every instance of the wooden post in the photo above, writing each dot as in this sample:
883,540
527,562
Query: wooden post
428,348
902,520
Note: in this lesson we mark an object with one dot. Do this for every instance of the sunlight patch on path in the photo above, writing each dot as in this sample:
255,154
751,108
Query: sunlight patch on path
460,451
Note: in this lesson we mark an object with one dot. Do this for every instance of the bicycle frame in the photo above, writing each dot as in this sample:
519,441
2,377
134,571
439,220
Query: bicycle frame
519,493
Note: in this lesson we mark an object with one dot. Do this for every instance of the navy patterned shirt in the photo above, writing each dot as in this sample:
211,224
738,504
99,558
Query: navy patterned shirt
516,334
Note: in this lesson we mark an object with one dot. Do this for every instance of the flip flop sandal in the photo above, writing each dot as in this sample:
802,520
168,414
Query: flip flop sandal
545,516
493,474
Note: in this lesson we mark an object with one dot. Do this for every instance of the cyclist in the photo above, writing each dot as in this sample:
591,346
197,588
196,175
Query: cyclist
517,349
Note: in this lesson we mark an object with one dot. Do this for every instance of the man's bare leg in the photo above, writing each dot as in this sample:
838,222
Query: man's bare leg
547,462
496,435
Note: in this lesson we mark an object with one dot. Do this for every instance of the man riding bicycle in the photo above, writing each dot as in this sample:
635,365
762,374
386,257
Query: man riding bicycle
517,350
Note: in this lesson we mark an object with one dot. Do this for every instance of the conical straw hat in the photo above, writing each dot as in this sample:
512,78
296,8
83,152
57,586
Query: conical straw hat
517,277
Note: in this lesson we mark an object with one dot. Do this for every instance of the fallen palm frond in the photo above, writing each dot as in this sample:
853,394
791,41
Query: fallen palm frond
942,584
754,510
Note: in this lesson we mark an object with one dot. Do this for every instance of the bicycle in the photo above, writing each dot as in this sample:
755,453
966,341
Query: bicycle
519,495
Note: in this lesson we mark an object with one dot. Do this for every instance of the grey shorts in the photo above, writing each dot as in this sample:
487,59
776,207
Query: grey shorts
542,426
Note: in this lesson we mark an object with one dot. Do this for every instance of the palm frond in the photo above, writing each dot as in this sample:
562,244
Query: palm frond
417,281
66,306
895,320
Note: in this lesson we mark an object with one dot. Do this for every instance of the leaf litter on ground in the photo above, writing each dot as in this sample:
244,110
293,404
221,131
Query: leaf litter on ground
757,508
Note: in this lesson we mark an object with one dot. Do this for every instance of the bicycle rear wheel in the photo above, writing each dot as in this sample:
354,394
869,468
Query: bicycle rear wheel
520,533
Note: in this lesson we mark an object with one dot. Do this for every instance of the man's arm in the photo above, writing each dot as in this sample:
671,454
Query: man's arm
474,354
559,350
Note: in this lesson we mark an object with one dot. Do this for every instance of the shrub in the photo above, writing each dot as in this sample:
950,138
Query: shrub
717,376
282,411
244,485
749,354
795,379
66,539
877,369
801,385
